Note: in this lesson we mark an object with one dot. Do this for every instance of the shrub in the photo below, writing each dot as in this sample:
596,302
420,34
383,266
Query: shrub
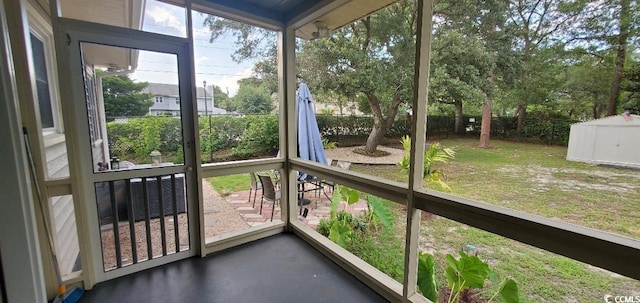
324,227
260,135
226,132
139,136
246,136
435,153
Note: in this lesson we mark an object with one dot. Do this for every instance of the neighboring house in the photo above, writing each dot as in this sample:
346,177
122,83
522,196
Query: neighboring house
612,141
350,109
166,100
321,108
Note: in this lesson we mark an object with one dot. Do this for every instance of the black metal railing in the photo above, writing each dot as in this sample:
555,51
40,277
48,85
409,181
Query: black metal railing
153,208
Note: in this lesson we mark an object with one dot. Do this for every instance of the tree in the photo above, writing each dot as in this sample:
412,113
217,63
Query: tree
487,22
542,28
624,25
123,97
221,99
609,26
372,57
631,85
587,86
459,71
253,100
251,43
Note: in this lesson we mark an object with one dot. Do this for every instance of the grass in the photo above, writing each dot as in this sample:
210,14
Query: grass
534,179
225,185
537,179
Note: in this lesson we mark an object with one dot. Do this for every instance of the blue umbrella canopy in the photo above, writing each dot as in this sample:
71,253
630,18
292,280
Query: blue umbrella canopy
309,141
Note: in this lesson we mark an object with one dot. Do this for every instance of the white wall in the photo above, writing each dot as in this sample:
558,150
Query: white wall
67,244
618,145
581,143
605,144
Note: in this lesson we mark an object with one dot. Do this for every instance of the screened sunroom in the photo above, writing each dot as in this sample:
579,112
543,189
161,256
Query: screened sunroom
144,217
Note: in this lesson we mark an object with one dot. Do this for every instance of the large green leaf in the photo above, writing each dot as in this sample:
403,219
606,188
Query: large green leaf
350,196
434,177
467,272
509,291
427,276
474,271
436,153
380,211
452,273
340,233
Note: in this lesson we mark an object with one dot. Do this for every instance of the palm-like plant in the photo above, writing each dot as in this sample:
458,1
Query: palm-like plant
435,153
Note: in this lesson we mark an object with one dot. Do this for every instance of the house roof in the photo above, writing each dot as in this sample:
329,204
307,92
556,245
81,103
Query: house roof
617,120
170,90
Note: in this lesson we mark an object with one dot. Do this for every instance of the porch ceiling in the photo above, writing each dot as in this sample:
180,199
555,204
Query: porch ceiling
334,13
121,13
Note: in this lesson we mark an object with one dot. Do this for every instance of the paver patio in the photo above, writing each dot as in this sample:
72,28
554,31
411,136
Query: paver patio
320,208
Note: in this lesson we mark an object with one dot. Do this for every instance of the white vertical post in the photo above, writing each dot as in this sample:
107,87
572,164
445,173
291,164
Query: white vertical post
287,111
418,133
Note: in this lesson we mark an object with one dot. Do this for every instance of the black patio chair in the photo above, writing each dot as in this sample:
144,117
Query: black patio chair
269,193
255,186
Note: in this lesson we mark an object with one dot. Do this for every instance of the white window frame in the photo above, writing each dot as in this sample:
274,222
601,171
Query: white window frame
41,29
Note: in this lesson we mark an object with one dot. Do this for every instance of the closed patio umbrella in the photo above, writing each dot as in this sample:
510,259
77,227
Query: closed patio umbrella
309,141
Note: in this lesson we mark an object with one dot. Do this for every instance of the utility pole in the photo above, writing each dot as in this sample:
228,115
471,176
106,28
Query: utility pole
204,83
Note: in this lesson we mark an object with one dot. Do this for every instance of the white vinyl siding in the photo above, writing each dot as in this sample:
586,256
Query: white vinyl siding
67,245
61,208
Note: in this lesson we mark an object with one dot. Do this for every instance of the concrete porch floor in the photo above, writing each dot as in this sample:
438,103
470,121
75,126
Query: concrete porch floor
281,268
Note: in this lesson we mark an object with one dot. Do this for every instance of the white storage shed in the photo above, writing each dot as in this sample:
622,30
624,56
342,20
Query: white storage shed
612,140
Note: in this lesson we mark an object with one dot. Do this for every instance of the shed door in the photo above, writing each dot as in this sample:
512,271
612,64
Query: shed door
617,145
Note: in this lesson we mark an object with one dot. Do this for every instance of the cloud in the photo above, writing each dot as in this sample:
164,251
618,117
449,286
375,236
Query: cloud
167,17
231,82
202,32
200,59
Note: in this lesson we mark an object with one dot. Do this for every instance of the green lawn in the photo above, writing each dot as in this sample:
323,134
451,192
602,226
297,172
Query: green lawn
228,184
535,179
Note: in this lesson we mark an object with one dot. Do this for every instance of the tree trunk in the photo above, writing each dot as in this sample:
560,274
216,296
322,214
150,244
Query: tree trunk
485,128
621,51
521,112
597,106
380,123
458,127
376,135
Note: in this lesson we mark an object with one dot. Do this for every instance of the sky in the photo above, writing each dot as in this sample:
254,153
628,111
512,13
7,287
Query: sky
213,60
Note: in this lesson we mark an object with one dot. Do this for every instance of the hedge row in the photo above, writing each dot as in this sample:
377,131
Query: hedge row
251,135
243,136
548,131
